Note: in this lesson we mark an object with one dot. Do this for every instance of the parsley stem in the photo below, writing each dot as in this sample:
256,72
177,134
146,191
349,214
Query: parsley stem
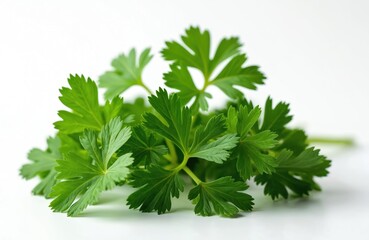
145,87
183,163
172,151
192,175
183,167
340,141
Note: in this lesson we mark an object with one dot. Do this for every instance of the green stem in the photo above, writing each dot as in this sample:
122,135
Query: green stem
183,167
172,151
145,87
168,158
183,164
339,141
192,175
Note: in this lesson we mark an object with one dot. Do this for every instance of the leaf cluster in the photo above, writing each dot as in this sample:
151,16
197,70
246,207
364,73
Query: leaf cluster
172,142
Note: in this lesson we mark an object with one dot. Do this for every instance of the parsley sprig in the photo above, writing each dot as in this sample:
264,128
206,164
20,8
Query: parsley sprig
155,146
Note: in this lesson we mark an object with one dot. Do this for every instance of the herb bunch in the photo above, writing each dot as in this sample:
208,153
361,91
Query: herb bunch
155,147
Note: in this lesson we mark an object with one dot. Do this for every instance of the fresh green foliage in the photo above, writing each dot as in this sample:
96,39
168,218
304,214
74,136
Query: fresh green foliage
127,73
82,99
275,119
223,196
172,142
195,53
157,187
176,126
252,150
86,178
146,147
293,139
43,165
295,173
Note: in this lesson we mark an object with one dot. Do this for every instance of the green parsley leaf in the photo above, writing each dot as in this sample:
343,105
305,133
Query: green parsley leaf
216,151
71,143
223,196
157,187
176,126
146,148
234,74
86,178
307,162
112,109
43,164
275,118
175,122
199,55
252,148
127,73
294,140
196,53
186,86
295,173
82,99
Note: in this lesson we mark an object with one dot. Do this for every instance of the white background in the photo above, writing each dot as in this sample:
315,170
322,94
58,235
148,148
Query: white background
315,54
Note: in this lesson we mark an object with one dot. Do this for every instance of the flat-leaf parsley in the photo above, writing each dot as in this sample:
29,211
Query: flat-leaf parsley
154,146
